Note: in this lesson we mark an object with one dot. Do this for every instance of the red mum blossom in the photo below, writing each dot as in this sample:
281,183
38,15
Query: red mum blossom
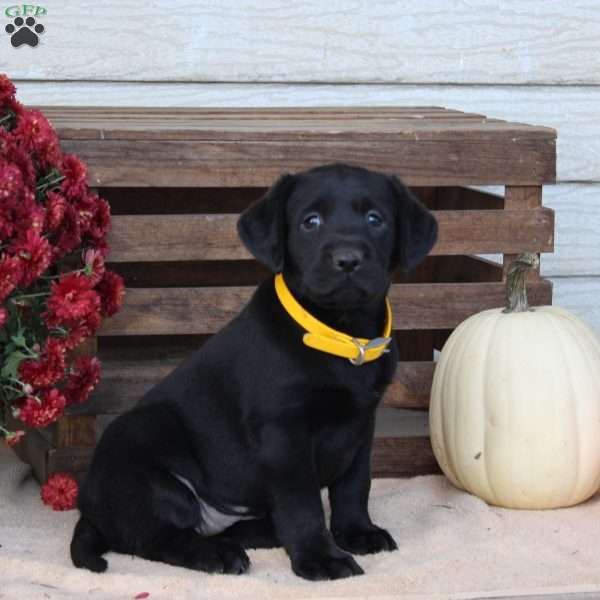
102,247
48,368
85,209
27,214
60,492
55,210
70,300
35,254
74,184
69,234
94,266
3,317
100,223
11,271
50,408
82,329
35,134
37,218
11,181
111,290
16,155
82,380
14,437
7,89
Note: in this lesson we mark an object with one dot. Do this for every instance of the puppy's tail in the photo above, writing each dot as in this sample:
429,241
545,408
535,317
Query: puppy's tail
87,547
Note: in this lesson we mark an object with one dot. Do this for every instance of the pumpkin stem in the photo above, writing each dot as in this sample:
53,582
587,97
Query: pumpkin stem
516,290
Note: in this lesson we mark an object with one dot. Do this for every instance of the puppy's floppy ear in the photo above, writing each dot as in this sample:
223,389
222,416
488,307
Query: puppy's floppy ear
262,225
416,228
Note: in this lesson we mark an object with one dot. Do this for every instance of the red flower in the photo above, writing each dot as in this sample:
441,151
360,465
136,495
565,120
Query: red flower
85,209
11,152
7,89
69,234
11,271
82,380
55,210
100,223
35,134
35,254
48,369
94,266
14,437
50,408
11,181
74,184
111,290
60,491
70,300
3,316
82,329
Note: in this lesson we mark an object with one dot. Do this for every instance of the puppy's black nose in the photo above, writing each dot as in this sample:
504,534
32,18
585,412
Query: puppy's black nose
347,259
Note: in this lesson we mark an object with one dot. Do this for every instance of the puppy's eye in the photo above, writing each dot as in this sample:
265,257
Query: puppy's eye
374,218
312,221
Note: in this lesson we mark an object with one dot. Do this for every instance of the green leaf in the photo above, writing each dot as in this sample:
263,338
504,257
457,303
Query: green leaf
11,366
19,340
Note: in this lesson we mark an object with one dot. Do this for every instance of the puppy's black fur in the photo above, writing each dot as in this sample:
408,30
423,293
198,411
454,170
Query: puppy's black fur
255,423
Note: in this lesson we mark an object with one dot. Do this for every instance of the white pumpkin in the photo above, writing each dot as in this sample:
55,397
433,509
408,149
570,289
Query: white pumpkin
515,403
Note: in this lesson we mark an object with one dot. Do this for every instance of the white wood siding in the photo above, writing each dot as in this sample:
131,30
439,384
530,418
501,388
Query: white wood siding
340,41
536,62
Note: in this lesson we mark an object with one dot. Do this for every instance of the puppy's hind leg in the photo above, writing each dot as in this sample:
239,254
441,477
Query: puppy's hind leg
175,540
187,548
87,547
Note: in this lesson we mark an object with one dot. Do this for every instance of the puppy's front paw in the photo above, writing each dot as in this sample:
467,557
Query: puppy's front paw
365,541
323,566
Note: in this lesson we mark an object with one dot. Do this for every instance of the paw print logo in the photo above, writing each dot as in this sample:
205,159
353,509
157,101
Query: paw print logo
24,31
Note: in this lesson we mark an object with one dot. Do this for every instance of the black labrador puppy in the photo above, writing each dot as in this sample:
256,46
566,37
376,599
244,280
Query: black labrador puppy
231,450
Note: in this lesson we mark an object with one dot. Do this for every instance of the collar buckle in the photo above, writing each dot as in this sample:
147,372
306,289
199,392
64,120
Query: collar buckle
360,359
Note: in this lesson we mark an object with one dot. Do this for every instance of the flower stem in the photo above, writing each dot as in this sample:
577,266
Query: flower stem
29,296
7,117
14,389
516,289
49,183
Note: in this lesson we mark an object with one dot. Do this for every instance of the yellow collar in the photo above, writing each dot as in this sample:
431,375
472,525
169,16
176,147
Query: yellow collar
324,338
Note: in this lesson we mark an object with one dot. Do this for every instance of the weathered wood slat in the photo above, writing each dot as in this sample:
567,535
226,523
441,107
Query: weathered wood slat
214,237
299,130
275,112
123,383
190,147
455,161
441,269
182,311
83,121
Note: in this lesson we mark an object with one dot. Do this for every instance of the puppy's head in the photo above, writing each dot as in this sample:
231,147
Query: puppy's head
337,232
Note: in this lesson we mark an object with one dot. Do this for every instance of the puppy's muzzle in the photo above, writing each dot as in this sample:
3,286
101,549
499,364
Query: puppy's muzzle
347,258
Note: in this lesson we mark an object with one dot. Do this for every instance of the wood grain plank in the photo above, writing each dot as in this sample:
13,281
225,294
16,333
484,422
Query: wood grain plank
186,311
513,160
214,237
573,110
354,129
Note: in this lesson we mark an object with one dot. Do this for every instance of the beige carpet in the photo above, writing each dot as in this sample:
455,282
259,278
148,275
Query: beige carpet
452,546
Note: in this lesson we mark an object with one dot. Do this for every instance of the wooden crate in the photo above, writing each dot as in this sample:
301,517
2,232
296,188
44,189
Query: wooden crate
176,180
